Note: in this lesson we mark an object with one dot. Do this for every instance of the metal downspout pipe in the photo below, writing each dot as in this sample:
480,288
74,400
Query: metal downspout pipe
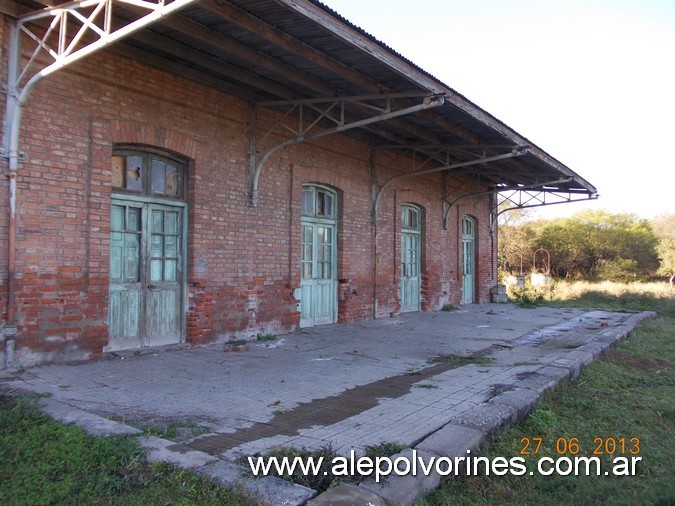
13,114
14,110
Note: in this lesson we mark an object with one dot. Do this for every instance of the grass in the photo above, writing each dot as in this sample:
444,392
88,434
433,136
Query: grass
46,462
178,431
237,342
459,360
615,296
628,393
325,478
265,337
384,449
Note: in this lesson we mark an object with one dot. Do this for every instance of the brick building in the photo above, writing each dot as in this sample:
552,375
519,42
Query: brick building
202,170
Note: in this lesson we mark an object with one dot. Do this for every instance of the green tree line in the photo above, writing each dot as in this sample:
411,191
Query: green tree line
591,244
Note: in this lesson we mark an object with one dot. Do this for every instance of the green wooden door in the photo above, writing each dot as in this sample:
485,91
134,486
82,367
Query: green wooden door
164,287
146,278
318,285
318,301
409,287
468,260
125,305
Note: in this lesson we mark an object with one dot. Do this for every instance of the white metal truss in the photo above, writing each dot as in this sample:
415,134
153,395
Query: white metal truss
61,35
307,119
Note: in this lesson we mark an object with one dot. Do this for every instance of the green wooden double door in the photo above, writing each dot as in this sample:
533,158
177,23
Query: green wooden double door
146,274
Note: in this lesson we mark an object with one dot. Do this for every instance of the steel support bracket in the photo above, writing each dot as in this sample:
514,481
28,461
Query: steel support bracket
307,119
518,151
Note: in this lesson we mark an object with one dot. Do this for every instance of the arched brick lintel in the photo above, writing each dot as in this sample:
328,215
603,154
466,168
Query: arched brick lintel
136,132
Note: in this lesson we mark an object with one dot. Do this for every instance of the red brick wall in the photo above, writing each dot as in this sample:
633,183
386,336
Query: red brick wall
243,262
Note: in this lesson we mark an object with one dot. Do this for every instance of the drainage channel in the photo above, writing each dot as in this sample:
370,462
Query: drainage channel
322,412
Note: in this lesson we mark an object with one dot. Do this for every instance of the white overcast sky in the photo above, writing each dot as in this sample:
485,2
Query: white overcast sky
591,82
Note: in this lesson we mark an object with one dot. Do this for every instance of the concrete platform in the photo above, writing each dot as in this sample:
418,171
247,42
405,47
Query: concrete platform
347,386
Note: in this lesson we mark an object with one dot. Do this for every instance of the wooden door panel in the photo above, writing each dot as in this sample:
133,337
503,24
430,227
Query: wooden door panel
163,290
146,279
409,290
468,261
163,318
318,286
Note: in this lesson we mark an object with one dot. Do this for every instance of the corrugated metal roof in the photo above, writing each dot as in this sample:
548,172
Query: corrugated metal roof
296,49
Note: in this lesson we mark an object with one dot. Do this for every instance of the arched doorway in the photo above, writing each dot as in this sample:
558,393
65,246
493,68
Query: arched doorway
411,234
318,286
468,260
148,218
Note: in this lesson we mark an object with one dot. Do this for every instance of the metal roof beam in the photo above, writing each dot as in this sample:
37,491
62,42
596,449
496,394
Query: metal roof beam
226,70
170,65
443,153
217,39
316,86
312,114
524,198
282,39
376,200
520,191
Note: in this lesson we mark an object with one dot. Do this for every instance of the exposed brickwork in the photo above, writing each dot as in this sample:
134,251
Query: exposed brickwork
243,262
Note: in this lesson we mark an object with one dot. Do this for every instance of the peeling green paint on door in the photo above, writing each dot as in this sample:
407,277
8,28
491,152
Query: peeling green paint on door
409,287
318,262
146,274
468,260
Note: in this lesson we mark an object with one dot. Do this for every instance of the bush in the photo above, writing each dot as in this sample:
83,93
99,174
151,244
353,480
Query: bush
617,269
527,297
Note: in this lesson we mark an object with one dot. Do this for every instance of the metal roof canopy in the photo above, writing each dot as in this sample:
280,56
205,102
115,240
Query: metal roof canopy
296,56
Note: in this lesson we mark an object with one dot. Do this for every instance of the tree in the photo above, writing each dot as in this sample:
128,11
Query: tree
664,228
590,244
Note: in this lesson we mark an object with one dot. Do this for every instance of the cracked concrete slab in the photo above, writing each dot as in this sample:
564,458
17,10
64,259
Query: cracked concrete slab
346,494
268,489
93,424
452,440
163,450
396,490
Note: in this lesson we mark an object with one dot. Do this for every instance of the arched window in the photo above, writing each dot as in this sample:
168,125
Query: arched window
318,202
410,218
148,173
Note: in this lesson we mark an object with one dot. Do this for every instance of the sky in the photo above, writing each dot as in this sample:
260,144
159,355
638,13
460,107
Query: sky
591,82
